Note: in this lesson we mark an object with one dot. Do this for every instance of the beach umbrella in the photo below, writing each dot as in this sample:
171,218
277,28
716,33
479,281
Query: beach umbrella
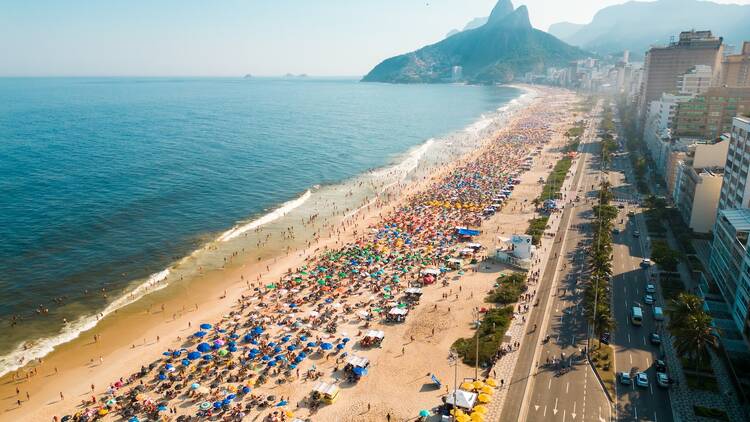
276,349
205,405
272,363
424,413
258,330
208,357
282,403
312,344
478,384
326,346
232,348
185,362
102,412
340,346
193,355
467,386
169,367
285,339
162,408
487,390
204,347
134,419
491,382
360,371
485,398
205,326
291,348
272,344
266,358
194,386
219,342
217,405
111,402
247,337
480,408
231,396
162,377
223,352
346,340
303,338
245,389
478,417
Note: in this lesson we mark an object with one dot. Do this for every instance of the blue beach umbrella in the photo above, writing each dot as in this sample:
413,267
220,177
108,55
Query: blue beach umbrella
340,346
291,348
204,347
245,389
199,334
346,340
312,344
247,338
232,348
265,358
205,326
208,357
272,363
185,362
326,346
271,344
177,353
276,349
217,404
258,330
303,338
193,355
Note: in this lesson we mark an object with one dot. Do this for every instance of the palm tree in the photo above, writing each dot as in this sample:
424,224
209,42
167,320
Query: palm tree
692,328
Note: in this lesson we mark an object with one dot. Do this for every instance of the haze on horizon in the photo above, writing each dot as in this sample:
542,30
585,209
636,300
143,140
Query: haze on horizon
235,37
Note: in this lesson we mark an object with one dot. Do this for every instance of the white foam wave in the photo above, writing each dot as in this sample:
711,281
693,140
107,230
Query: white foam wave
72,330
274,215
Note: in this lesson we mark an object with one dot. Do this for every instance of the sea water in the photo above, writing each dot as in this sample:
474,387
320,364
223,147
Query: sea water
112,187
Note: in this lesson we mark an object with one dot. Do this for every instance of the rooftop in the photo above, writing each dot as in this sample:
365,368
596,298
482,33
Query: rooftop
738,218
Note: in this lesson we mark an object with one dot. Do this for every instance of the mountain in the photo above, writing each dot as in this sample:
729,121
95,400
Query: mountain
496,52
637,25
473,24
563,30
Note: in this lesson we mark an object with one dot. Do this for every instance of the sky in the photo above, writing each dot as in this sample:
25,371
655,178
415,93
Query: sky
237,37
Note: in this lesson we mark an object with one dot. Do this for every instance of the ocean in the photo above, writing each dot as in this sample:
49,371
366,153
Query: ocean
111,188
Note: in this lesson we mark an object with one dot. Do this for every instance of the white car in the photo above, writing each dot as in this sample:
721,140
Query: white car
625,378
649,299
645,263
641,380
650,288
662,379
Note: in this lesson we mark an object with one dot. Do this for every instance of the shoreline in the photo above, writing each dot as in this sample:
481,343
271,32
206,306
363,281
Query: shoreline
184,307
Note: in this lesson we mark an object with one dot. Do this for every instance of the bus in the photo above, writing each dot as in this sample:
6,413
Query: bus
636,316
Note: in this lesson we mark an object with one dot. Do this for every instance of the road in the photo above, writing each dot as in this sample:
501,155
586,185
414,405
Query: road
576,395
633,348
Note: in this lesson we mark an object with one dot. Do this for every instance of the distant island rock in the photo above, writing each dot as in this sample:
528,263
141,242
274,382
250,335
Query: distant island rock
248,76
505,47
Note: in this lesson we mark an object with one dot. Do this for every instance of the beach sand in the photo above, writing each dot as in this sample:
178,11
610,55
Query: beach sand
398,383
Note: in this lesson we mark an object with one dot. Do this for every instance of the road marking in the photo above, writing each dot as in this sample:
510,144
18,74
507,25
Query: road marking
635,410
545,410
655,419
651,387
644,340
554,411
628,337
564,412
567,386
573,413
549,385
631,358
648,362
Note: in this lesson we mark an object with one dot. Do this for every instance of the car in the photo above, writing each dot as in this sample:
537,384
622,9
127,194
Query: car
621,206
604,338
615,231
662,379
631,214
636,233
641,380
660,366
650,288
655,338
649,299
625,378
645,262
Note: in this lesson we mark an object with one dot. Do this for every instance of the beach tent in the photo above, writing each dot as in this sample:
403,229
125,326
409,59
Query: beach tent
467,232
455,263
474,245
326,392
463,399
357,361
466,251
430,271
372,337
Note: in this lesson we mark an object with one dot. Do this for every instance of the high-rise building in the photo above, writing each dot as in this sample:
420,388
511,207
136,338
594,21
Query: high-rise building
657,132
735,68
698,184
696,81
665,65
708,115
735,191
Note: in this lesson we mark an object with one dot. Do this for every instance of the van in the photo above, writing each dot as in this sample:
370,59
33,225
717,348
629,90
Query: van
658,313
636,316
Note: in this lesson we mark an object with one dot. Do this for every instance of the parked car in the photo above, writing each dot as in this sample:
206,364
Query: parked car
645,263
641,380
649,299
660,366
650,288
604,338
621,206
636,233
625,378
662,379
655,338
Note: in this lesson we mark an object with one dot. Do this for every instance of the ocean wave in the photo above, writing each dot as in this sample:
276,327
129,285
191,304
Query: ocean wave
29,351
274,215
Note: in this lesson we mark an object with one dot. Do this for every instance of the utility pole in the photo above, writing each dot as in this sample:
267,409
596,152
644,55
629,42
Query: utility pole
476,355
453,360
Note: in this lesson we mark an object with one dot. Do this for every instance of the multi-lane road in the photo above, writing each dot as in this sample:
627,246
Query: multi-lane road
539,389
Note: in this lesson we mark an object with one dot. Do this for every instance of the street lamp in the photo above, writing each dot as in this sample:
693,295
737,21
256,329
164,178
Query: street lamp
453,361
478,323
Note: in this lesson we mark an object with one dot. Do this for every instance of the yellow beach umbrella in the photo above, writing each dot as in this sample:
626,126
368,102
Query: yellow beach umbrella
457,412
463,418
485,398
477,417
467,386
480,408
478,385
487,390
491,382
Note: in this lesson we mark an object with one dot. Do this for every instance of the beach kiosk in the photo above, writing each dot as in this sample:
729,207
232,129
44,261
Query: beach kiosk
461,399
324,392
455,263
372,338
356,367
397,314
413,294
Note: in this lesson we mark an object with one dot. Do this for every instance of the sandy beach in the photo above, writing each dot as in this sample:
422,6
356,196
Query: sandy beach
273,294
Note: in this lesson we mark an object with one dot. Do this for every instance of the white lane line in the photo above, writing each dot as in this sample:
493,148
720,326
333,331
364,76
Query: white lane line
545,410
630,355
549,385
651,387
567,387
564,412
644,340
628,337
635,410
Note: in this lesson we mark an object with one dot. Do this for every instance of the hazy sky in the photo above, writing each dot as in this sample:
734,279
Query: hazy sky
234,37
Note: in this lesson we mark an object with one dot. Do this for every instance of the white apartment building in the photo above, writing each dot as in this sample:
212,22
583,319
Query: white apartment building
657,130
735,192
696,81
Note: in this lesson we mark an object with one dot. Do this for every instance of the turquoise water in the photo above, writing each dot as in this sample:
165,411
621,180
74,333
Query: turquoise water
108,180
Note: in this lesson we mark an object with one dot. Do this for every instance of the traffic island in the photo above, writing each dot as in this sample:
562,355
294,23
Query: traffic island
601,358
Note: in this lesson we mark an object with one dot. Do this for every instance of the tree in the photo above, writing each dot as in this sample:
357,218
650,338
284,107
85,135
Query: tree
692,328
664,256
